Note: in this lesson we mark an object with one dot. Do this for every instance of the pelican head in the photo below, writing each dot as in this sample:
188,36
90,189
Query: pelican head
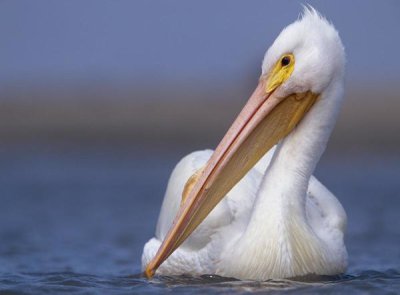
316,56
301,84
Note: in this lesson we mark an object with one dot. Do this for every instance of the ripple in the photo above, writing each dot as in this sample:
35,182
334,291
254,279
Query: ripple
369,279
76,283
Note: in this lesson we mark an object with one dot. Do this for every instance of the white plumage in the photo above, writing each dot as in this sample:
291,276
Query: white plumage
279,221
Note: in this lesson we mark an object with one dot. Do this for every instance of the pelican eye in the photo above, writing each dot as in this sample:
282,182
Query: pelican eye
285,61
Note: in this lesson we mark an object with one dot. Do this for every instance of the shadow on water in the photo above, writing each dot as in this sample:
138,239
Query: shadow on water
82,283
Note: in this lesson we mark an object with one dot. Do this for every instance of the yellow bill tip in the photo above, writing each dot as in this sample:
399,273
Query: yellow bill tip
149,272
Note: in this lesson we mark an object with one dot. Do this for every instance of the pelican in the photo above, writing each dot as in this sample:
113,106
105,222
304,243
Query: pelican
251,209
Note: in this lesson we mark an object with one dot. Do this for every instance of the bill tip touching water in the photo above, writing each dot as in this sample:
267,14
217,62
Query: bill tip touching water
252,209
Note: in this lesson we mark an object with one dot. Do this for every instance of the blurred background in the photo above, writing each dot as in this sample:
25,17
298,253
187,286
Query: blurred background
100,99
150,72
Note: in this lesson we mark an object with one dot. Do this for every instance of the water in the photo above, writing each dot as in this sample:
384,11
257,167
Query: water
74,219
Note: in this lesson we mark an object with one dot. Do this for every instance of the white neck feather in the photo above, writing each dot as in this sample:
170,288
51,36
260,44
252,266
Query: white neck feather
278,242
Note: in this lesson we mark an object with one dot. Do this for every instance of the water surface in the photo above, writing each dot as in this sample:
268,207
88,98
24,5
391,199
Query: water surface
75,220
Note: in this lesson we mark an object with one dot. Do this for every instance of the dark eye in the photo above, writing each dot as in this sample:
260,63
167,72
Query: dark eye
285,61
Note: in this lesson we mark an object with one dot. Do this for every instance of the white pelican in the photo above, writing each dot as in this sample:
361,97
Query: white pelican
272,219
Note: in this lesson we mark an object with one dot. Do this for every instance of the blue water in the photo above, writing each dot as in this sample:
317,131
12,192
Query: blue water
74,219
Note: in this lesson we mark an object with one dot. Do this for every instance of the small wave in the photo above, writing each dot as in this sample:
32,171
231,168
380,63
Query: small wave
76,283
345,282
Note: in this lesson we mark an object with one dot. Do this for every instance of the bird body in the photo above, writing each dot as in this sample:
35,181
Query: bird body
219,238
255,211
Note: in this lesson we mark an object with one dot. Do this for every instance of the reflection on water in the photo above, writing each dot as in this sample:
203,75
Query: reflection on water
73,282
76,219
